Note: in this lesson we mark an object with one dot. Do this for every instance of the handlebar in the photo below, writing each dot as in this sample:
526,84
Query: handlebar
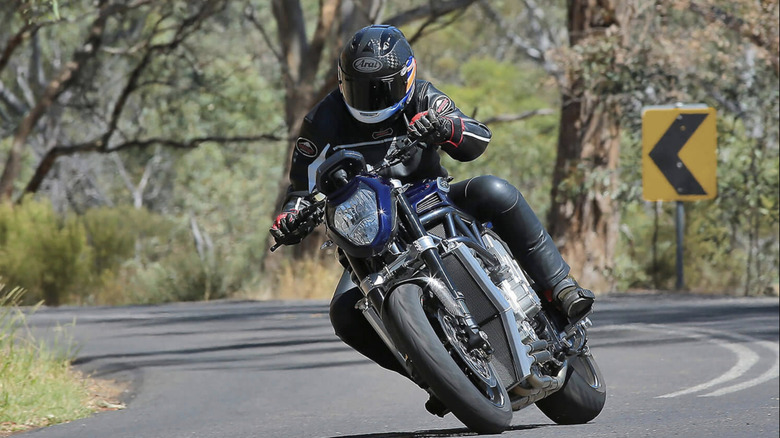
398,154
312,214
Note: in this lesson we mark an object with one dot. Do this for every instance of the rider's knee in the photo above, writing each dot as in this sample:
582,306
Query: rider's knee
344,318
499,193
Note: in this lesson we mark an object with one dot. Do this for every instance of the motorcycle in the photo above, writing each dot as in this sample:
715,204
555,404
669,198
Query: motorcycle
445,294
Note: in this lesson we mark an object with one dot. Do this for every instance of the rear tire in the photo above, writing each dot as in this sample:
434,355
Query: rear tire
413,334
583,394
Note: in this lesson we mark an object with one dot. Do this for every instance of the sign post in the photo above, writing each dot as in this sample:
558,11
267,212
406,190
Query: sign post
679,160
679,221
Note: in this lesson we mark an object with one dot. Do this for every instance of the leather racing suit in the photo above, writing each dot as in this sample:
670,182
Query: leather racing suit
329,127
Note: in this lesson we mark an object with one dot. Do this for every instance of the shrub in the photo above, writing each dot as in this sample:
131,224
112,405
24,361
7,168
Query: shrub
37,385
43,253
111,234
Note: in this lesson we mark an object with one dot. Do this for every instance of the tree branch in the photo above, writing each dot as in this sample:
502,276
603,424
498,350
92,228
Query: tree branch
506,118
534,50
249,13
768,43
433,8
15,41
98,146
325,22
430,21
67,77
187,26
11,101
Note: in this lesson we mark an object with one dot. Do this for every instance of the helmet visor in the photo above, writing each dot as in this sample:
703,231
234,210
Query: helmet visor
374,94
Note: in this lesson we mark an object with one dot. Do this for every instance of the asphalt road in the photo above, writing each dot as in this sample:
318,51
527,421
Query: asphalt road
675,366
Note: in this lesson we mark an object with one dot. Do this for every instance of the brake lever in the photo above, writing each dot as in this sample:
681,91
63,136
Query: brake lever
311,215
399,154
313,211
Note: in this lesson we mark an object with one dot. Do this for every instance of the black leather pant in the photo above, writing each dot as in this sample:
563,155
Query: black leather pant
489,199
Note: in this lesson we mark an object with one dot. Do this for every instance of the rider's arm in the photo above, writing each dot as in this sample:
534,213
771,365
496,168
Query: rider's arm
469,138
309,146
287,228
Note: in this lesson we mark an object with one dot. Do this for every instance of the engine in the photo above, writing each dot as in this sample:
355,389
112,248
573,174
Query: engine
515,287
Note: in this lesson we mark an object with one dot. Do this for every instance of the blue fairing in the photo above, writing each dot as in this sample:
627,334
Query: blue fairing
386,217
422,191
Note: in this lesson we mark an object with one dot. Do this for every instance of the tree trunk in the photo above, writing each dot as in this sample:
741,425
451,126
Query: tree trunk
584,221
301,62
583,218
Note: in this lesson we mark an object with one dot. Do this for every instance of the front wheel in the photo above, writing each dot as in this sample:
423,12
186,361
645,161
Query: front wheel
583,394
469,387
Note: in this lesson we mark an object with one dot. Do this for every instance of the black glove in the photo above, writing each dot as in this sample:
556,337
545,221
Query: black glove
433,128
289,228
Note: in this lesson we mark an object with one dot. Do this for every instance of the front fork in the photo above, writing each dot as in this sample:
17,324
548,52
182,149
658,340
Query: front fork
440,284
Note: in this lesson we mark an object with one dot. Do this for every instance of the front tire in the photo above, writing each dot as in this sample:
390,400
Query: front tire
583,394
481,410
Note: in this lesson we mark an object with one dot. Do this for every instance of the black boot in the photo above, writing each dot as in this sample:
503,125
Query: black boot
575,301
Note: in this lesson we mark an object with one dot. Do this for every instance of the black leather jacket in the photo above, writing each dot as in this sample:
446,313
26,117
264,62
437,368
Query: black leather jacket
330,127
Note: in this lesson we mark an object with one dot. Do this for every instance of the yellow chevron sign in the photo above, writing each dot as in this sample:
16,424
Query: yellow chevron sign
679,153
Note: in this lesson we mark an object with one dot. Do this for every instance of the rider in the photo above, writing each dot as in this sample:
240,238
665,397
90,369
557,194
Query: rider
380,102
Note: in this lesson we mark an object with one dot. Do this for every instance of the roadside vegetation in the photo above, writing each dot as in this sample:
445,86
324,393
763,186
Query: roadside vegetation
38,387
152,174
143,144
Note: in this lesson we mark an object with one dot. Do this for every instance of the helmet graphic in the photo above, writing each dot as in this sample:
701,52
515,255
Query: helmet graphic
377,70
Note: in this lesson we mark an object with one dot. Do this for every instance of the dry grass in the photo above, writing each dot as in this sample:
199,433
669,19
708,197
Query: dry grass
99,396
38,386
310,278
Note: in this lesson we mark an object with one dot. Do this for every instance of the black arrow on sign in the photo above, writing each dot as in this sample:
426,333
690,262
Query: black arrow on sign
665,154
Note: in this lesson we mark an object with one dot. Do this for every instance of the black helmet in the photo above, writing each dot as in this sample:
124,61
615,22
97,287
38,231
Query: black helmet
376,73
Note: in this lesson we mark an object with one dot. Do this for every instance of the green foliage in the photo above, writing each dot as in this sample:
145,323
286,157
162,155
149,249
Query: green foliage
42,252
37,386
107,256
231,202
225,80
150,258
647,251
36,11
521,152
111,234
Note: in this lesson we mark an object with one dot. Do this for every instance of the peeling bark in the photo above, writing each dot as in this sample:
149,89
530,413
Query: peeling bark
583,219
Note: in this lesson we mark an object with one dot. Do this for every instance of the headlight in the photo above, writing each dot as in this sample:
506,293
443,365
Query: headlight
357,218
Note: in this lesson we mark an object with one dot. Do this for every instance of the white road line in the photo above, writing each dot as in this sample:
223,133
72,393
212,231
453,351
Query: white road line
746,357
770,374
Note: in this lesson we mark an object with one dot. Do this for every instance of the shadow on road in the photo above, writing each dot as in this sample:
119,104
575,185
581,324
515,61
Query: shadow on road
756,318
437,433
229,335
